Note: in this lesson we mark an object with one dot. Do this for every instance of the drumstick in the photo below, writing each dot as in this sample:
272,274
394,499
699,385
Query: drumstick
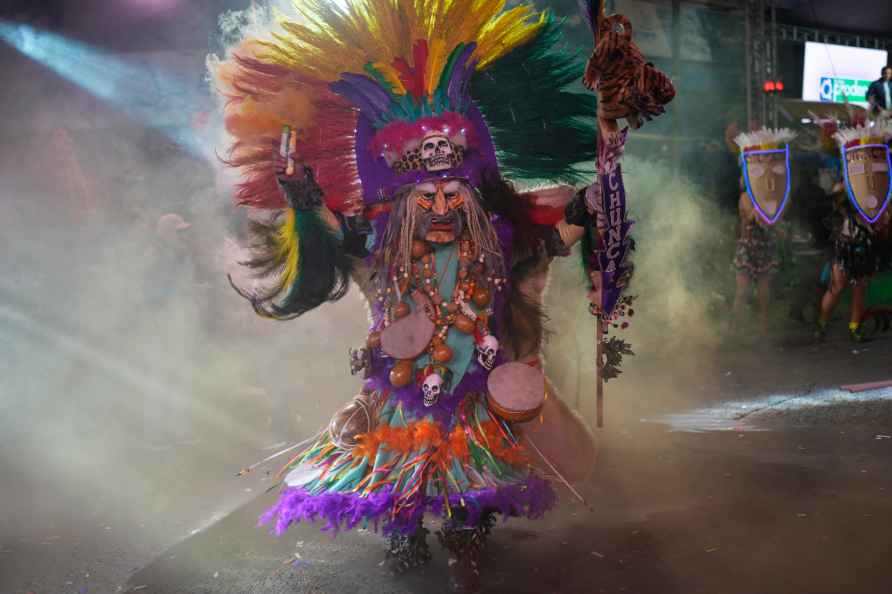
556,471
292,148
248,469
286,139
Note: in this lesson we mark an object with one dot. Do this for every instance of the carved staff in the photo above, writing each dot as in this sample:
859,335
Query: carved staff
632,89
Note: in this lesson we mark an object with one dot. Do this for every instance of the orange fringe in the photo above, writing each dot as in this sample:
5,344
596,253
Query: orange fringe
427,435
502,448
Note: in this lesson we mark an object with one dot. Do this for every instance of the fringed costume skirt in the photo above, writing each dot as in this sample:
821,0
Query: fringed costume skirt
859,259
457,461
756,254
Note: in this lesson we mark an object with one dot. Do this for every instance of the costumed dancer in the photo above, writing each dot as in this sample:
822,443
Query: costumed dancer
387,175
861,221
765,176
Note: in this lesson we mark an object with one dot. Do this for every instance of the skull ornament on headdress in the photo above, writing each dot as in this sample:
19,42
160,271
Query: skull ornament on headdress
437,153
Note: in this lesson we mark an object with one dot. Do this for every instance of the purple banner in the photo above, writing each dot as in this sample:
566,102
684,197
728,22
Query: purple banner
614,245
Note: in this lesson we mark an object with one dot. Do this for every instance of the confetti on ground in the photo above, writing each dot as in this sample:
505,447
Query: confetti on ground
712,549
597,554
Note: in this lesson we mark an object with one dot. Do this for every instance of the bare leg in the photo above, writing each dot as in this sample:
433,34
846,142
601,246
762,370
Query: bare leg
831,298
743,285
859,298
764,288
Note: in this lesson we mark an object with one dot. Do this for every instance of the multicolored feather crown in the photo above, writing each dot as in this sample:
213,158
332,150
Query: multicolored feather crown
392,92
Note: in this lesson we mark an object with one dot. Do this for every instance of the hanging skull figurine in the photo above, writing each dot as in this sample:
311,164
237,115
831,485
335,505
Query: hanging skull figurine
487,348
432,388
437,153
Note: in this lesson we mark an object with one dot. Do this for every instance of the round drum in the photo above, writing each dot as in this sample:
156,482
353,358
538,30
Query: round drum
408,337
516,391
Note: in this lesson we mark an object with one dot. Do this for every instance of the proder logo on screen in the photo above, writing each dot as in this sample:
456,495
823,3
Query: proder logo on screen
838,90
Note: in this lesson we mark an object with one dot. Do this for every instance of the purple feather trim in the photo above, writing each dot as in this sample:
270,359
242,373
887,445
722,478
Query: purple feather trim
458,89
363,92
345,511
590,11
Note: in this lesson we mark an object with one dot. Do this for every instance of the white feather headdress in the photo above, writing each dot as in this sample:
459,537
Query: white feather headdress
766,138
878,133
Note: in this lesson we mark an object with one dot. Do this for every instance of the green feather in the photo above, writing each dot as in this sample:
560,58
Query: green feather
541,128
441,99
381,80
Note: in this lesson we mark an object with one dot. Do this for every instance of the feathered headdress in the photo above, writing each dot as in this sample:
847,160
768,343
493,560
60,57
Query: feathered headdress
861,135
764,139
366,84
385,93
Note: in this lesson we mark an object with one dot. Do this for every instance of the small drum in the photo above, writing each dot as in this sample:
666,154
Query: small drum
516,391
407,338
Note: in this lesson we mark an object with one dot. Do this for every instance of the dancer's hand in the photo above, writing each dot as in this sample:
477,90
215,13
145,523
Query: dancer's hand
611,145
300,187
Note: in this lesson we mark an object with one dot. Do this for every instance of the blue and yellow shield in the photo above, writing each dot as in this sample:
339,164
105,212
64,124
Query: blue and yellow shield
866,174
766,174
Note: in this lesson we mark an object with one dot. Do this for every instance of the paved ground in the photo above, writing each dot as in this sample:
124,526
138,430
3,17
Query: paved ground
671,512
746,471
785,498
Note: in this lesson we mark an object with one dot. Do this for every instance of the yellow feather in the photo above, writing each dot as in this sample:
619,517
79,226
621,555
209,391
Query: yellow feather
436,61
287,249
326,41
390,73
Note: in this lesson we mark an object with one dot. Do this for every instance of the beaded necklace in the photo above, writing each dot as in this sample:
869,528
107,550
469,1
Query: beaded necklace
474,284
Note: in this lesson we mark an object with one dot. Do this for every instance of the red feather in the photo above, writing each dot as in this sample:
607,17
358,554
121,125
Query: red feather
419,54
413,78
328,147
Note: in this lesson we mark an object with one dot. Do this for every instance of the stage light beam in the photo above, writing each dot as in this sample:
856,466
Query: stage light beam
124,85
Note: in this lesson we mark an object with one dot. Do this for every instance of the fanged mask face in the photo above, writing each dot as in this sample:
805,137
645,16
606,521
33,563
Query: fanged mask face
440,204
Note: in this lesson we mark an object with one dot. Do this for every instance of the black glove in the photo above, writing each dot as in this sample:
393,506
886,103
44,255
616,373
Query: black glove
576,212
302,193
356,230
552,243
